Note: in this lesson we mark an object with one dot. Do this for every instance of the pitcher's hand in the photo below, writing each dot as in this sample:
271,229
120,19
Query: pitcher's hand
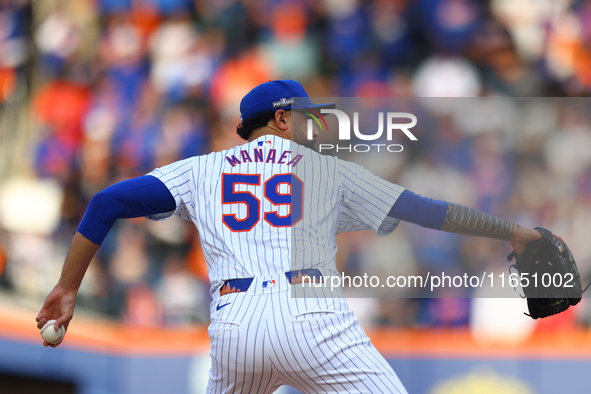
59,305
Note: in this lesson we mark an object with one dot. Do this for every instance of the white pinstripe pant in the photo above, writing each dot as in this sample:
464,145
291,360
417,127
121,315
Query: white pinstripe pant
265,338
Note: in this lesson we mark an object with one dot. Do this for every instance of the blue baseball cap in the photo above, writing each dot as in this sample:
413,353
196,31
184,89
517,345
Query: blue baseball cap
276,95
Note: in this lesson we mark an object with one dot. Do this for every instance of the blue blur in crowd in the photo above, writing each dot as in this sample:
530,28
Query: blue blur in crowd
450,24
165,7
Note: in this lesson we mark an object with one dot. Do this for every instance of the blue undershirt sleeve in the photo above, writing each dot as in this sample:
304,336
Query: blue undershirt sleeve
425,212
142,196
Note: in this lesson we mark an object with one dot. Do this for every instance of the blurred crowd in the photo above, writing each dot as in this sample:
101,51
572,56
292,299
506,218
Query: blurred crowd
110,89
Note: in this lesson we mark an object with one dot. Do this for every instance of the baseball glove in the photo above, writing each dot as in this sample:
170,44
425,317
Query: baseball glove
548,275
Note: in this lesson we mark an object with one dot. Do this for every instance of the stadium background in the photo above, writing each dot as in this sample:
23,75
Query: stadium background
93,92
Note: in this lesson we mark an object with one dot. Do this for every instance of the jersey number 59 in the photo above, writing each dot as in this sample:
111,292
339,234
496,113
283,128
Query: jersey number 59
293,199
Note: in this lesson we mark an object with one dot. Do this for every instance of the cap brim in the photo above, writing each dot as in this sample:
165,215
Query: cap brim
314,106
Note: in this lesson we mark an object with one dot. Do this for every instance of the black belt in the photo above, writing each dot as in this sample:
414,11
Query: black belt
293,277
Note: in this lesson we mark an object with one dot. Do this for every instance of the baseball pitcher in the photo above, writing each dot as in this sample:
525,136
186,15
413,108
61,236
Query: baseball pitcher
267,213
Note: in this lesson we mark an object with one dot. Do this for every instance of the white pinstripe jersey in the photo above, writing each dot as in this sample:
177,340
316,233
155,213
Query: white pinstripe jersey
271,206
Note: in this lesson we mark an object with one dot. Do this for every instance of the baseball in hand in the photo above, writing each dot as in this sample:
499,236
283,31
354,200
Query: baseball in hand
50,335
